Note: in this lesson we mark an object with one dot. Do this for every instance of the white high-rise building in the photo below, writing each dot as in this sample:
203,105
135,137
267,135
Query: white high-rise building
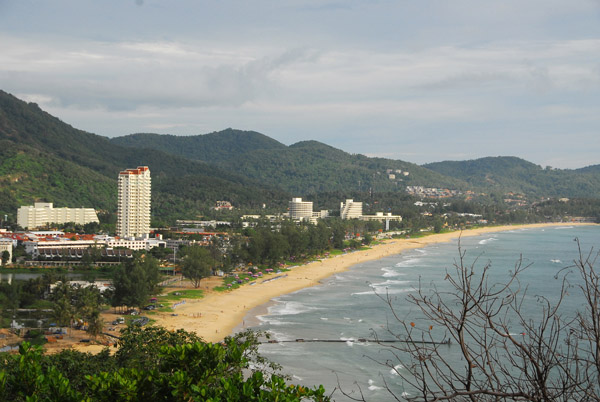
43,213
351,210
133,218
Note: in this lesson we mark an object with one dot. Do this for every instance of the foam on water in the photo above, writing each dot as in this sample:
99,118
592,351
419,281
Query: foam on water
486,241
372,386
390,273
396,368
381,291
289,308
389,283
409,262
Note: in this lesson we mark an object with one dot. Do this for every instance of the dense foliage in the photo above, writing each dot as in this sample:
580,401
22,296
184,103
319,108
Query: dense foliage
151,364
307,167
135,281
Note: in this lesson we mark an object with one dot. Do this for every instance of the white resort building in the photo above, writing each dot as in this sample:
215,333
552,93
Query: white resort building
133,217
351,209
43,213
301,209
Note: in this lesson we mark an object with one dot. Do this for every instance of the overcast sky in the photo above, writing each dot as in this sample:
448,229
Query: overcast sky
416,80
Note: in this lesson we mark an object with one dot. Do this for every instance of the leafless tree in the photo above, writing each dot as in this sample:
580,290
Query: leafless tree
553,356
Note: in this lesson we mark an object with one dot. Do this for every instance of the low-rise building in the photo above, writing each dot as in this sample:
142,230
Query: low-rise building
37,247
43,213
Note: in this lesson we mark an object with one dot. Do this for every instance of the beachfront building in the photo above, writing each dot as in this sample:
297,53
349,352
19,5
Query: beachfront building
383,217
35,248
6,245
351,209
43,213
133,216
302,210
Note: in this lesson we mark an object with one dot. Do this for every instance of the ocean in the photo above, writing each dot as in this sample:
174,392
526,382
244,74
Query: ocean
346,307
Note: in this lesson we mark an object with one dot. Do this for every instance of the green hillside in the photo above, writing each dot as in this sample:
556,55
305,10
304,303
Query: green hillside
43,158
308,167
28,175
506,174
214,147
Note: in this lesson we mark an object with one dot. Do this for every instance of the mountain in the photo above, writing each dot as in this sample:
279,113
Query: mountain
311,167
214,147
510,174
308,167
43,158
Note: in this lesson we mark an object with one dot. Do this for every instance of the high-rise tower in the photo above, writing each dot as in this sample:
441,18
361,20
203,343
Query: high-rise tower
133,218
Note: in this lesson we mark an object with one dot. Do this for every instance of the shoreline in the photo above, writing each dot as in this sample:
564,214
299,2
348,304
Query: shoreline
218,315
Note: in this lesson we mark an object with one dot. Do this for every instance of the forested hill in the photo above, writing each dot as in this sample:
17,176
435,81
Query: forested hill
308,167
505,174
45,159
214,147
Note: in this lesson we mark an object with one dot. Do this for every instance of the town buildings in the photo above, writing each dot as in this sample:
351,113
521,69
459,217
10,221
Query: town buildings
133,215
43,213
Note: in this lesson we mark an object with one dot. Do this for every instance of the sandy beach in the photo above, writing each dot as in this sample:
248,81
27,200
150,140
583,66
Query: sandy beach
217,314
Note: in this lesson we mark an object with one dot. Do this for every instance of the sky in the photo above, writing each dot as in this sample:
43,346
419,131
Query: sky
420,81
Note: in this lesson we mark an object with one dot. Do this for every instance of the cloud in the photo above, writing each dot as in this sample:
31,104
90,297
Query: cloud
409,74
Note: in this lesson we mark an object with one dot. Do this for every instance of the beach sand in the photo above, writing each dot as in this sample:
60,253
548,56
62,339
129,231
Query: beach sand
218,314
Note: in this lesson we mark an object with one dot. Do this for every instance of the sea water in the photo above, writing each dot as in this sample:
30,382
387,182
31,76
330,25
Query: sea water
352,305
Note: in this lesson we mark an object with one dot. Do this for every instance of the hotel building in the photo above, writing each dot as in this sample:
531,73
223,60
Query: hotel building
351,210
302,210
44,213
133,216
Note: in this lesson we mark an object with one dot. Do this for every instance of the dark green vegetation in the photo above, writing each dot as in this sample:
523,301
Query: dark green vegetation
152,364
45,159
136,281
307,167
197,264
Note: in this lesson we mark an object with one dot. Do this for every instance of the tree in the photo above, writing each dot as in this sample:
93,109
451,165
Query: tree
63,311
152,364
95,323
136,281
554,356
197,264
5,257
